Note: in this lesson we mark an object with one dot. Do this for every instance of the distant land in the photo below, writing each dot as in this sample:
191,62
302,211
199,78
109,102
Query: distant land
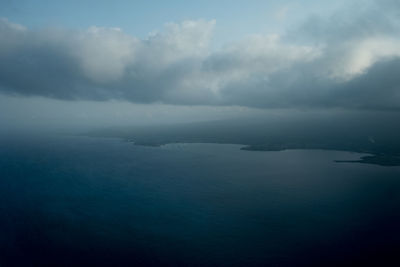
382,160
374,134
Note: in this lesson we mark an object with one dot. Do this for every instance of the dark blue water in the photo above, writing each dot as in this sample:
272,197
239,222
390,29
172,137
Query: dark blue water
78,200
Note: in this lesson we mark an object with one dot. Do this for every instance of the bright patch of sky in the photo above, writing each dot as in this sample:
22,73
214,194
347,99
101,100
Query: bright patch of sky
235,19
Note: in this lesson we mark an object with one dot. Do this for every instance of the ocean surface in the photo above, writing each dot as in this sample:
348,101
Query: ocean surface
67,201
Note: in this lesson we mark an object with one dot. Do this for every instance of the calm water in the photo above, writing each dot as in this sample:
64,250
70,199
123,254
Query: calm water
70,200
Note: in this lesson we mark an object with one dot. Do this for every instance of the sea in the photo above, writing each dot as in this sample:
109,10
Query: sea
84,201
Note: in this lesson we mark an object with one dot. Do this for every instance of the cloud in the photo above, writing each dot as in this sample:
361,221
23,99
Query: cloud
281,13
348,60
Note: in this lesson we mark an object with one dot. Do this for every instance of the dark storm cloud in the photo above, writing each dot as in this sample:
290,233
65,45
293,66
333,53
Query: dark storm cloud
348,60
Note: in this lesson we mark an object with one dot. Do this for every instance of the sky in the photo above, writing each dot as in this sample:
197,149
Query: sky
137,61
236,18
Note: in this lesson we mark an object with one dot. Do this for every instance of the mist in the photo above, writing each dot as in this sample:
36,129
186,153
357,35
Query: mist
38,114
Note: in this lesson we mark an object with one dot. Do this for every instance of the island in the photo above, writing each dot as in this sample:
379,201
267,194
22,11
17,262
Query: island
360,134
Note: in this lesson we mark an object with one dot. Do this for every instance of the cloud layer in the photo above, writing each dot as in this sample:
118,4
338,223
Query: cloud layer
349,60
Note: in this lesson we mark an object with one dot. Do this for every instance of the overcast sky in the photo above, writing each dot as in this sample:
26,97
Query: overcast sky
224,56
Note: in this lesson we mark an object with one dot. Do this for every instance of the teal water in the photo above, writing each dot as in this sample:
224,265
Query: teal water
80,200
